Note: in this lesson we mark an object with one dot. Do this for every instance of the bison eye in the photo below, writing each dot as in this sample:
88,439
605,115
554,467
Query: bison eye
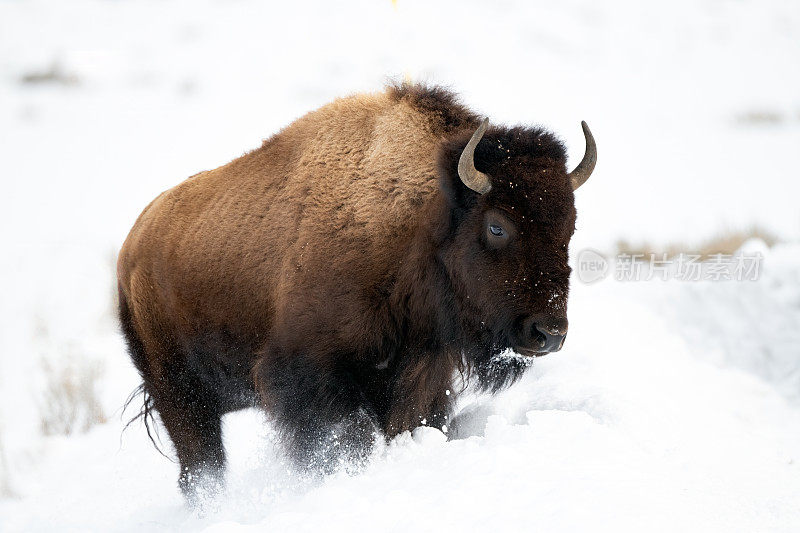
499,229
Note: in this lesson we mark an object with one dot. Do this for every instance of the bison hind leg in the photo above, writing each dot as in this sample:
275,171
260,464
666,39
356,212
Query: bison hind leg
195,429
192,419
189,409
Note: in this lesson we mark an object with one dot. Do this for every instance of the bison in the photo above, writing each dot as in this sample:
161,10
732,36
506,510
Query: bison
344,274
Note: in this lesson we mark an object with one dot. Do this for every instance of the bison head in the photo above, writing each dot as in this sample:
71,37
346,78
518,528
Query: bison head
512,214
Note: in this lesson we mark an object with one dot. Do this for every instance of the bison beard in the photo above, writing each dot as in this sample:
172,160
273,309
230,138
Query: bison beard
345,273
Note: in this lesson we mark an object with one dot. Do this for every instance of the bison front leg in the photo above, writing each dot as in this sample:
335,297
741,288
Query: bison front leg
322,413
421,394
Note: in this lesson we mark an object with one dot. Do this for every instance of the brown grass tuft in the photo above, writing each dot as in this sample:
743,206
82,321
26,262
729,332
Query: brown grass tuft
761,117
54,75
724,243
70,402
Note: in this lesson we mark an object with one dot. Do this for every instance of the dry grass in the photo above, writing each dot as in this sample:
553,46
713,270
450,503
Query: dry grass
761,117
54,75
70,402
724,243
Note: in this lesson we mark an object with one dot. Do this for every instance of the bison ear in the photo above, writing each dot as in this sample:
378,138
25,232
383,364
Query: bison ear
458,195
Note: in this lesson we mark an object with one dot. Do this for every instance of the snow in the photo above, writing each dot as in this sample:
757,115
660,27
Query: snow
672,405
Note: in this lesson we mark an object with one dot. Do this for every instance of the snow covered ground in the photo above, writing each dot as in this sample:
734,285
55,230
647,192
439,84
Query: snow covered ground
673,404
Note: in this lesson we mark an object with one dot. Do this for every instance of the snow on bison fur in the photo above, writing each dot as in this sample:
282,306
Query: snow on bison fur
344,274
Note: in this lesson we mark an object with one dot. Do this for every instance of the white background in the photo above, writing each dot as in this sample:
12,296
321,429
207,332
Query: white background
672,405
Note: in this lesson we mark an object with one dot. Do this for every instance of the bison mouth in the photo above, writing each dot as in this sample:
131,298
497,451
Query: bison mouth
529,352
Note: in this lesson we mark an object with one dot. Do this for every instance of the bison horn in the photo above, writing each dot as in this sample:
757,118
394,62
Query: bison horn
586,166
472,177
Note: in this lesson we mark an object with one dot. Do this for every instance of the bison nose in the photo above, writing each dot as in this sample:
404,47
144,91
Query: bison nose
546,334
550,339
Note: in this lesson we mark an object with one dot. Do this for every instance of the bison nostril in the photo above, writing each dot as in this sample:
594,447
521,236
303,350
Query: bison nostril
541,340
536,336
550,338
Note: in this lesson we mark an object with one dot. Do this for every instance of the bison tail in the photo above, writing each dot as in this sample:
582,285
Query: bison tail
147,415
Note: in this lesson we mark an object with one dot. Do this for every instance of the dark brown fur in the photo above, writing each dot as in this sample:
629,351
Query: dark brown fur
339,276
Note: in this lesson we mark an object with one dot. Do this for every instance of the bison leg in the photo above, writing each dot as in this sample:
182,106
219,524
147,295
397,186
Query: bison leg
428,409
191,414
323,414
188,407
421,394
194,426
